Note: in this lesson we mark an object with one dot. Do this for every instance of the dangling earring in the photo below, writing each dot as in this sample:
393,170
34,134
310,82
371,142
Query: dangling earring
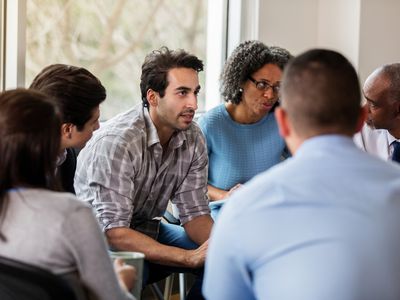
240,90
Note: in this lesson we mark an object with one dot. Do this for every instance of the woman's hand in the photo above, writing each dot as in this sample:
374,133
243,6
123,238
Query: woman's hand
233,189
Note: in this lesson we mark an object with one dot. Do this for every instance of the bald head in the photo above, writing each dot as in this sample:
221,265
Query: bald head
386,79
321,94
382,93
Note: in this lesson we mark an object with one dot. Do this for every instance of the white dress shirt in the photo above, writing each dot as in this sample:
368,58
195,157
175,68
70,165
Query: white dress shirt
378,142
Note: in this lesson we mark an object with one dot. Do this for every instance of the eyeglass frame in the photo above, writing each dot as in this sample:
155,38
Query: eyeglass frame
275,88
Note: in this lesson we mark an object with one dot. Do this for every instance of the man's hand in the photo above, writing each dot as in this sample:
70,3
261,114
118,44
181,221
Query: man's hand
126,239
196,258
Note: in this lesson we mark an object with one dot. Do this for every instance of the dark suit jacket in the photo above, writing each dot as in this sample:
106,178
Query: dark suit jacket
67,170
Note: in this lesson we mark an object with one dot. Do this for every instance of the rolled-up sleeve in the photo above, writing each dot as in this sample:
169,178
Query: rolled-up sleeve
110,177
191,196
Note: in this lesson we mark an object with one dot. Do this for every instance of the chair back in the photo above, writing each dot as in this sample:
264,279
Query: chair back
21,281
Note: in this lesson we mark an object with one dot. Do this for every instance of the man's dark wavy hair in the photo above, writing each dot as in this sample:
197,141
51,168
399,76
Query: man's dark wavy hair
156,66
76,90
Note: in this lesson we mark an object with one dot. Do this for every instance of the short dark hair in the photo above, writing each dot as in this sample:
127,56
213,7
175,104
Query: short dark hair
321,93
246,59
76,90
30,142
392,73
156,66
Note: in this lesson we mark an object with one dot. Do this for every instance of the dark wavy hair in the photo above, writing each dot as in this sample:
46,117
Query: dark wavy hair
29,144
76,90
156,66
247,58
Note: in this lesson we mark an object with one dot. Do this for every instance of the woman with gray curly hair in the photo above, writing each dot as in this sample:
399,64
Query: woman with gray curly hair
242,135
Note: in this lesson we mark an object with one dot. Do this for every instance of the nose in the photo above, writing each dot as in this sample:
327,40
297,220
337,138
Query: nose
269,93
192,102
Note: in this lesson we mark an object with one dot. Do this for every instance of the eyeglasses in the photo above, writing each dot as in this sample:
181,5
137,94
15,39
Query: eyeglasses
264,86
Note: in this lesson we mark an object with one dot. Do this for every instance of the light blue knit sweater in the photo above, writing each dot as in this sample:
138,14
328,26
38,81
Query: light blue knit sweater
237,152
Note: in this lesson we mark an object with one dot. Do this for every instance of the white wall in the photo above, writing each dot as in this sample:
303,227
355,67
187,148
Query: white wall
338,27
291,24
379,34
365,31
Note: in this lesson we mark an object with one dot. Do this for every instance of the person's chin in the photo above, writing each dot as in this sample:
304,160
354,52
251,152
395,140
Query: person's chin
370,123
182,127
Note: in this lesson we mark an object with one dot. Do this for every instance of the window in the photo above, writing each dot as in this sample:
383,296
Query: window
111,38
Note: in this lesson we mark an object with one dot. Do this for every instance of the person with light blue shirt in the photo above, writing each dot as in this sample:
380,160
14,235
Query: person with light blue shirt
325,223
242,135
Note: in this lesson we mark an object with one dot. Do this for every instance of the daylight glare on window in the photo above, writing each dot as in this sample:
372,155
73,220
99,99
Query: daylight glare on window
111,38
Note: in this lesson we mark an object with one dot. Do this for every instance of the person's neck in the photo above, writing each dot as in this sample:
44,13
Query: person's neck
62,149
63,145
241,114
395,132
164,132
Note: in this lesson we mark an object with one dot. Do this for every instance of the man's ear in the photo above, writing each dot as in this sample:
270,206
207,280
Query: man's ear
66,130
361,118
152,97
282,120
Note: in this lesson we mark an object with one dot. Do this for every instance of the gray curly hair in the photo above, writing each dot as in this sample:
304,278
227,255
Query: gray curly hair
247,58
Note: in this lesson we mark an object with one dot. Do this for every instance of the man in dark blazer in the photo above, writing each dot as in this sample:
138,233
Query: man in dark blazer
78,94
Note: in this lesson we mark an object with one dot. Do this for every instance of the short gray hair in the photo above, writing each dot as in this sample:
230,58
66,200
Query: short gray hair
392,73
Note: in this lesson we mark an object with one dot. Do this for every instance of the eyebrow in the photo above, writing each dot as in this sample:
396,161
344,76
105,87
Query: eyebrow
187,89
269,81
182,88
369,99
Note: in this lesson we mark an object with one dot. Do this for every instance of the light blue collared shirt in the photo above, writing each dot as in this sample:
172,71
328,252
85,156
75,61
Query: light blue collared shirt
324,224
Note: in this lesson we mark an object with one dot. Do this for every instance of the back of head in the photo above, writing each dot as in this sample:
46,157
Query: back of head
246,59
156,66
30,141
30,138
76,90
321,93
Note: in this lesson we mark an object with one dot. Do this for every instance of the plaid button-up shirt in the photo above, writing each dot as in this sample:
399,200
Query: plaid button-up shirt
124,174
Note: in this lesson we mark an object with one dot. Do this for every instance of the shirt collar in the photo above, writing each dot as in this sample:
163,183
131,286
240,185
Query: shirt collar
391,138
327,141
177,139
151,130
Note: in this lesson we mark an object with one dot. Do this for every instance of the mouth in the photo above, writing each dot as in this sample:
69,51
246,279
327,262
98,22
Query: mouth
267,106
187,117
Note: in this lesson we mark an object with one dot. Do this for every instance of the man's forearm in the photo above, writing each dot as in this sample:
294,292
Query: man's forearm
199,228
126,239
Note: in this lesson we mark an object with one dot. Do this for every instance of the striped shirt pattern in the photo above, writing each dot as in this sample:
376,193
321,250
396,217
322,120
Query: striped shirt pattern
124,174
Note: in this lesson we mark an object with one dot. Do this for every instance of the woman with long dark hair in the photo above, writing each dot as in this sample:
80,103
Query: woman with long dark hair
39,225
